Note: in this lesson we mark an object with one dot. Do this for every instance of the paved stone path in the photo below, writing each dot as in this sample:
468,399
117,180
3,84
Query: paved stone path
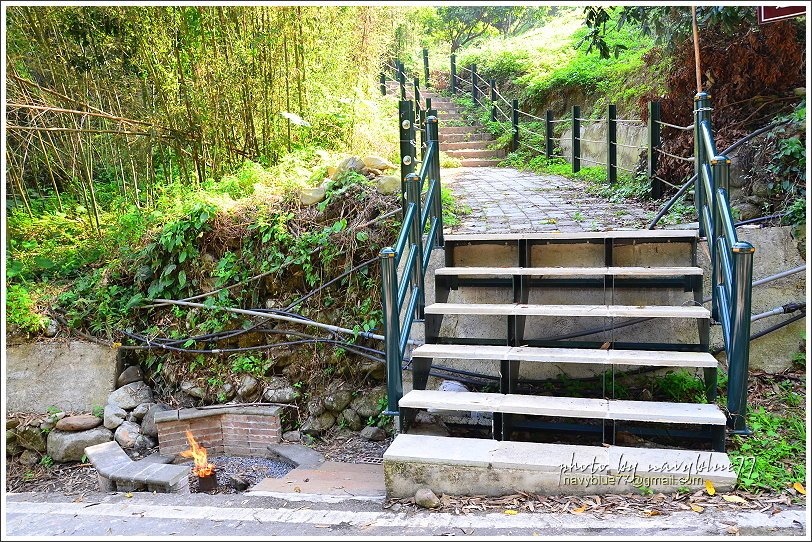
505,200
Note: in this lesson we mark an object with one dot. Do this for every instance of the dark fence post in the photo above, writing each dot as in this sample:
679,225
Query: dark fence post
514,114
391,322
474,92
453,74
426,67
383,84
576,139
492,83
739,351
407,146
611,144
433,133
548,133
653,145
402,80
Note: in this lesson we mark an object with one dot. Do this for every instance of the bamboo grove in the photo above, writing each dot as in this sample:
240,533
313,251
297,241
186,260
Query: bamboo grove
142,95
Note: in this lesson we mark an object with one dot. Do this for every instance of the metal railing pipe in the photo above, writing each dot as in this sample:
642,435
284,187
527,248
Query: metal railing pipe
407,146
739,354
416,241
394,376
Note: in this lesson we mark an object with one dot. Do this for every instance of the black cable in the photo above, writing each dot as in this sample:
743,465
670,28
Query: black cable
770,329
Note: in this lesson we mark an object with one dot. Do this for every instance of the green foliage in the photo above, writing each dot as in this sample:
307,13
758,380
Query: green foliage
20,310
796,212
249,364
681,387
98,411
46,461
452,209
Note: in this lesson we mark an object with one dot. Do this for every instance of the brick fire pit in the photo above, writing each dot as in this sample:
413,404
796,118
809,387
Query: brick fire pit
225,430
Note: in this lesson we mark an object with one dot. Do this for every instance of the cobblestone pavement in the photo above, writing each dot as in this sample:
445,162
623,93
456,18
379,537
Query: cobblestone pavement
505,200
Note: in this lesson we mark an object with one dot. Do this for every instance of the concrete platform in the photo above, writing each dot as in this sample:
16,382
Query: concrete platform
331,479
464,466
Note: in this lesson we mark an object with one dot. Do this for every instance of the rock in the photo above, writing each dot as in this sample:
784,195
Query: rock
29,458
131,395
388,184
143,443
127,433
248,388
331,172
425,498
51,328
291,436
279,390
148,422
374,370
430,425
350,419
12,423
337,400
129,375
51,420
315,408
70,445
371,172
748,211
131,418
372,433
114,416
370,403
227,392
141,410
78,423
760,189
350,163
317,425
12,447
376,162
189,388
31,438
238,482
312,195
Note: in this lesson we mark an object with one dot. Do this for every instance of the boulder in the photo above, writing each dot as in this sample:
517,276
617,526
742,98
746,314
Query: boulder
337,399
141,410
376,162
70,445
148,422
312,195
748,211
315,408
191,389
12,423
239,483
350,163
29,458
291,436
388,184
350,419
127,434
51,420
248,389
316,425
131,395
369,403
425,498
31,437
78,423
226,392
372,433
114,416
12,446
129,375
279,390
51,328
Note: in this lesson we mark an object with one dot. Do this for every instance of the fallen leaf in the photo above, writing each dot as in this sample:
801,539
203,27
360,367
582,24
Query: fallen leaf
128,495
696,508
579,510
709,487
651,512
799,487
297,489
734,498
733,530
511,512
606,345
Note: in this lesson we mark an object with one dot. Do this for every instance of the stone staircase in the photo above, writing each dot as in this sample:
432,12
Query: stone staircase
525,307
460,138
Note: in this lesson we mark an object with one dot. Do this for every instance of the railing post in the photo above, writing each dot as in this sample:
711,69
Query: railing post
453,74
418,115
548,133
514,114
702,112
576,139
426,67
492,84
653,145
720,171
383,84
391,323
416,241
402,80
474,91
739,352
433,133
611,144
407,146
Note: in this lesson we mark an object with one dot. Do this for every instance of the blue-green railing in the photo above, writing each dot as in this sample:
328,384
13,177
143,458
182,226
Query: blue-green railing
422,214
731,260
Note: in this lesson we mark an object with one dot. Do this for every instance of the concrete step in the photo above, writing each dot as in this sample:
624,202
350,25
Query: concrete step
461,138
642,358
570,271
468,466
474,129
480,162
589,311
671,235
468,145
566,407
476,153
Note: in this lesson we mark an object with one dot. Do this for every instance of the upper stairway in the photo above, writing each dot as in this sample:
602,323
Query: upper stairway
524,307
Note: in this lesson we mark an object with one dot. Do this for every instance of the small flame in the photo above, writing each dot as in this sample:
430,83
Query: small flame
202,466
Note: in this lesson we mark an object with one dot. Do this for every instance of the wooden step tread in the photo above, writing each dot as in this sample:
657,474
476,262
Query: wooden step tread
607,311
597,235
571,271
567,407
566,355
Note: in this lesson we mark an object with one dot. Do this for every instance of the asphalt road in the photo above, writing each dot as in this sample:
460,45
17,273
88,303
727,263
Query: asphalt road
201,516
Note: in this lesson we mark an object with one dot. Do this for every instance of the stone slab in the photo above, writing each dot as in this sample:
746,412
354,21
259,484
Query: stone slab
73,376
338,479
297,455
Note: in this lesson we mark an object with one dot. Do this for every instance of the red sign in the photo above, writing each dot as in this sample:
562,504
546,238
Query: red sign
772,14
